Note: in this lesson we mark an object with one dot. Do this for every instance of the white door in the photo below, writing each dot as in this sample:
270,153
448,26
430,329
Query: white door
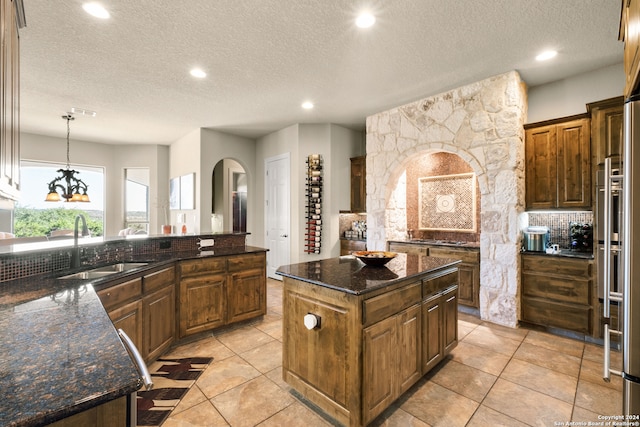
277,212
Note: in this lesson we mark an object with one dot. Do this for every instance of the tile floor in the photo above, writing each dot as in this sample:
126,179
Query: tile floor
496,376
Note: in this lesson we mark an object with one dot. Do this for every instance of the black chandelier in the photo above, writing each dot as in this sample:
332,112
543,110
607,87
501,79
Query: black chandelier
69,185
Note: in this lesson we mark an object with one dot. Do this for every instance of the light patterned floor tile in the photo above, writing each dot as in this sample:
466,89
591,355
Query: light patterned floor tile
465,380
485,417
598,398
438,406
295,414
488,339
200,415
526,405
550,359
547,381
480,358
252,402
243,339
265,357
225,375
555,343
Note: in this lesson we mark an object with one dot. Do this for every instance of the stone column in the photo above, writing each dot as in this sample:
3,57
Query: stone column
483,124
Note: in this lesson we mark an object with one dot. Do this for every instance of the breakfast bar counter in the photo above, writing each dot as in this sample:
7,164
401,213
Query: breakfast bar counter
356,337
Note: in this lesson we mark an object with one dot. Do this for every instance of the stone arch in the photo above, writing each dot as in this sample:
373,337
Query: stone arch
483,124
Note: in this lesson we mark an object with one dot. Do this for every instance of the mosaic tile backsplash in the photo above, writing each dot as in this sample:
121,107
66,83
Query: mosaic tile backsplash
19,265
559,224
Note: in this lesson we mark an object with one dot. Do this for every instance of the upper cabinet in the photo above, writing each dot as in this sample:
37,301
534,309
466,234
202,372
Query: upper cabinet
359,184
629,24
558,164
606,128
11,18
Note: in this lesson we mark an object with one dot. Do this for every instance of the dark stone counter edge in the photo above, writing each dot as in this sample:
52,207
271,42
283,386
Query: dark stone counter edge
387,283
564,253
49,284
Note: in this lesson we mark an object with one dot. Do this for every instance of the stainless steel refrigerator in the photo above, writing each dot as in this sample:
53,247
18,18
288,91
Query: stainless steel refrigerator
627,291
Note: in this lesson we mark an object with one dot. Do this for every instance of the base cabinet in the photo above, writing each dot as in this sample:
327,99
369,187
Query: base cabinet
557,292
110,414
144,308
366,350
219,291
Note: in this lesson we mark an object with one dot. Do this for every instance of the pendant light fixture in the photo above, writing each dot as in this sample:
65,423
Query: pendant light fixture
69,185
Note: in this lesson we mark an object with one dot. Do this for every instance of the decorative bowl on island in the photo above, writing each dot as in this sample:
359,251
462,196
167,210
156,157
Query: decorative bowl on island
374,258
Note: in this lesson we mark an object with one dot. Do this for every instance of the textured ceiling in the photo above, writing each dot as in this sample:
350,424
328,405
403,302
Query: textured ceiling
264,57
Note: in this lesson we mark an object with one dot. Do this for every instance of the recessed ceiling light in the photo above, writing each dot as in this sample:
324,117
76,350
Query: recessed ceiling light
96,9
198,73
307,105
365,20
547,54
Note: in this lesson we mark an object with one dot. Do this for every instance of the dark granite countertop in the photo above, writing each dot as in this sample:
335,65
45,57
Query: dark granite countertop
349,274
60,352
566,253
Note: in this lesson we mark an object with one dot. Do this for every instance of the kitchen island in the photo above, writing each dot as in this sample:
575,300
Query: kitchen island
355,337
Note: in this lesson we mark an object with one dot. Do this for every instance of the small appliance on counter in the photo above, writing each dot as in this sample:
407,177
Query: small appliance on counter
536,238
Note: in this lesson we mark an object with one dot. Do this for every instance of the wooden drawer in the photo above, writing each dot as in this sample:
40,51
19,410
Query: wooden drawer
118,294
471,257
435,284
408,248
159,279
548,313
576,291
570,267
380,307
246,262
347,246
195,267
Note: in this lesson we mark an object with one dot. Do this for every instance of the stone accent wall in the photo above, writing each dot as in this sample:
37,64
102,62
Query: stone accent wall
483,124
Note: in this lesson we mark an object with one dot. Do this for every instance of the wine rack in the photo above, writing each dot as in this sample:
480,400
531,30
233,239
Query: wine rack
313,235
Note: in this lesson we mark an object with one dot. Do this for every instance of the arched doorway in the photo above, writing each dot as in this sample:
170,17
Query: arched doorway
229,197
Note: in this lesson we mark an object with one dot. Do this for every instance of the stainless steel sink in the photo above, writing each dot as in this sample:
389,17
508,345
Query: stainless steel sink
108,270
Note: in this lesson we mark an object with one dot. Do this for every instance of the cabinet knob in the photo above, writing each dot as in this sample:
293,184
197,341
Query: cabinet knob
284,235
311,321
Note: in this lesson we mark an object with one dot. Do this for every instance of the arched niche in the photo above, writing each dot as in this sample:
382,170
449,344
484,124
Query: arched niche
229,197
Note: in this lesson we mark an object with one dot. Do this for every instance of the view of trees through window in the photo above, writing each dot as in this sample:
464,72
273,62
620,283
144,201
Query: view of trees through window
137,199
35,217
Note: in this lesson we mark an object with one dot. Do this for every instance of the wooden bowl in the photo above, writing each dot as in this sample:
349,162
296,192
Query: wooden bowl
375,258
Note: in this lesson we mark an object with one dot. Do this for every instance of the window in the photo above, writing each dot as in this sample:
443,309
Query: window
137,200
33,217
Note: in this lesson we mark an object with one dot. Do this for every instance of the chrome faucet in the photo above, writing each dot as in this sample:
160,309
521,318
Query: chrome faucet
75,255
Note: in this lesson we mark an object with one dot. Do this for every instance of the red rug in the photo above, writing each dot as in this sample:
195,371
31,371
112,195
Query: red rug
172,378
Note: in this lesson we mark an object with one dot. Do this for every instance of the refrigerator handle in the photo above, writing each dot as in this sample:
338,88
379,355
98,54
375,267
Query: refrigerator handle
607,371
607,241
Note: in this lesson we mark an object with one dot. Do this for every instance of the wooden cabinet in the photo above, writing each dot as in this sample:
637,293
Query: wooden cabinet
359,184
439,320
347,246
606,128
367,349
629,24
558,164
144,308
392,343
220,291
469,271
110,414
159,311
557,292
11,17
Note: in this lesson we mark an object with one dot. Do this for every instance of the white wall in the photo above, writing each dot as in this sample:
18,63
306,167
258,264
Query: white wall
114,159
336,145
215,146
569,96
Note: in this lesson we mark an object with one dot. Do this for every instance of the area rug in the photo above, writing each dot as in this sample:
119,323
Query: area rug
171,382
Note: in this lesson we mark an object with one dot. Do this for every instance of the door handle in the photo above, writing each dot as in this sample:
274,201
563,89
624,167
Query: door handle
284,235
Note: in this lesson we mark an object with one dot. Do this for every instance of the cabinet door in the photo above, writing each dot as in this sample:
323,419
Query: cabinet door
129,319
431,333
246,295
574,164
469,285
409,324
541,167
202,303
159,322
450,320
380,353
606,131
